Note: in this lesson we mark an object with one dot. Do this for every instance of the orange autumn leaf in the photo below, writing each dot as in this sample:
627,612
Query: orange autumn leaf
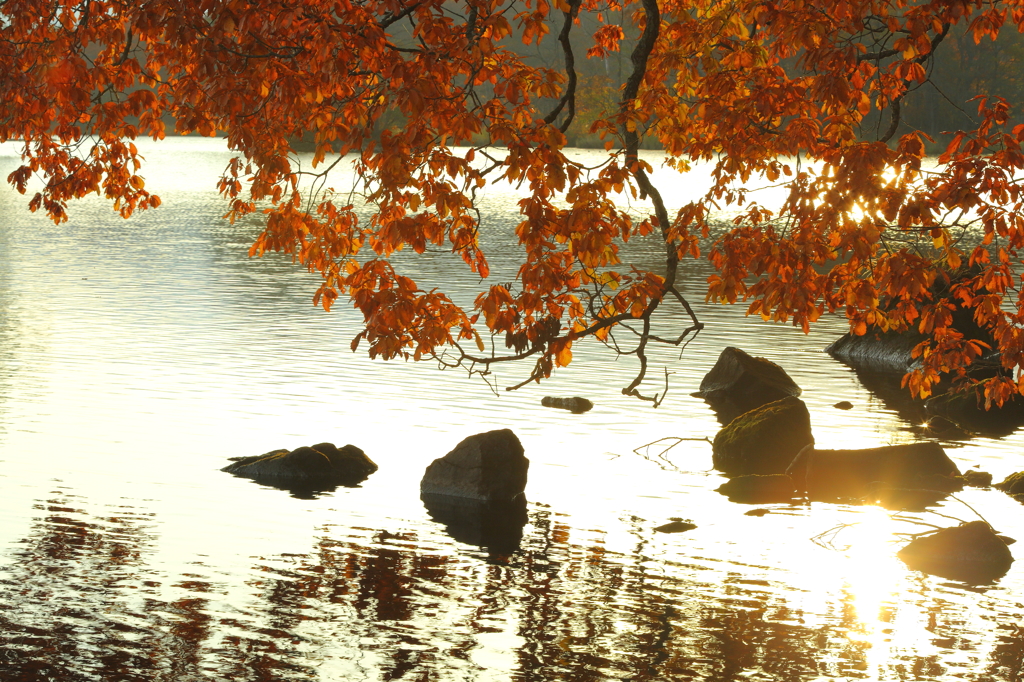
430,106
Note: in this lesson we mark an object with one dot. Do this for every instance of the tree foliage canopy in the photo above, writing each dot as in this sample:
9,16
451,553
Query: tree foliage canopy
434,99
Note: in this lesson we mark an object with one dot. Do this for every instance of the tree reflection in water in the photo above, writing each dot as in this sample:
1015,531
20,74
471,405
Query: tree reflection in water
82,601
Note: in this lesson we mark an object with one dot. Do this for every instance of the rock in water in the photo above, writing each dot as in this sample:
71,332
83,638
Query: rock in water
977,479
676,527
876,350
1013,485
575,405
323,463
764,440
890,351
852,474
970,552
487,466
966,410
739,382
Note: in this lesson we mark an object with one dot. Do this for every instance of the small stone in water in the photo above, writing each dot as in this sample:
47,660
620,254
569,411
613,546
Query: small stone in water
978,479
676,527
843,405
756,512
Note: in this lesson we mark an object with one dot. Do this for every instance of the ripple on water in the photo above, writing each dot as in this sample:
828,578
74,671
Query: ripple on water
136,357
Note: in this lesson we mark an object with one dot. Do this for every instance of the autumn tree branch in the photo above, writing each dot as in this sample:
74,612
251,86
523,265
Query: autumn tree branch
568,98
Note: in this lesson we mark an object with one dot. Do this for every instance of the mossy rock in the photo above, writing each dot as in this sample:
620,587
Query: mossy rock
1012,484
740,382
764,440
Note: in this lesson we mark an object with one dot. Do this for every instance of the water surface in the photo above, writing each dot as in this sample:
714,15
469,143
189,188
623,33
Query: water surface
137,356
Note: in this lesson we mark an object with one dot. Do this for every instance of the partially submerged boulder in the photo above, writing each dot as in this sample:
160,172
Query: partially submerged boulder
759,489
967,410
891,351
971,552
308,470
1013,485
740,382
977,479
575,405
869,472
876,351
486,466
764,440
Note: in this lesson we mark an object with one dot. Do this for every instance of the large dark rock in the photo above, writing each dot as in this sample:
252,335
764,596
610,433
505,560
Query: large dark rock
764,440
890,351
487,466
875,473
306,469
739,382
495,525
876,350
971,552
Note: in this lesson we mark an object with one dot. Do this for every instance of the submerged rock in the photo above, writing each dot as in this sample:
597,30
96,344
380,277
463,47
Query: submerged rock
315,467
739,382
575,405
676,527
764,440
971,552
759,489
871,472
487,466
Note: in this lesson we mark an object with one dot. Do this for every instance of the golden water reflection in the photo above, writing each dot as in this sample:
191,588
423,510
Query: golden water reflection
83,602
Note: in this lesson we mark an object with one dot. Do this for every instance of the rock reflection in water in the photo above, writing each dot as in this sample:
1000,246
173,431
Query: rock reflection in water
82,601
495,525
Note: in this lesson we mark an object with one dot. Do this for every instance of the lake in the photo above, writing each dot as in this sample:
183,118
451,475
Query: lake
137,356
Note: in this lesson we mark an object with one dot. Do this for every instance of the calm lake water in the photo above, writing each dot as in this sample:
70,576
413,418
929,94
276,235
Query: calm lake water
137,356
